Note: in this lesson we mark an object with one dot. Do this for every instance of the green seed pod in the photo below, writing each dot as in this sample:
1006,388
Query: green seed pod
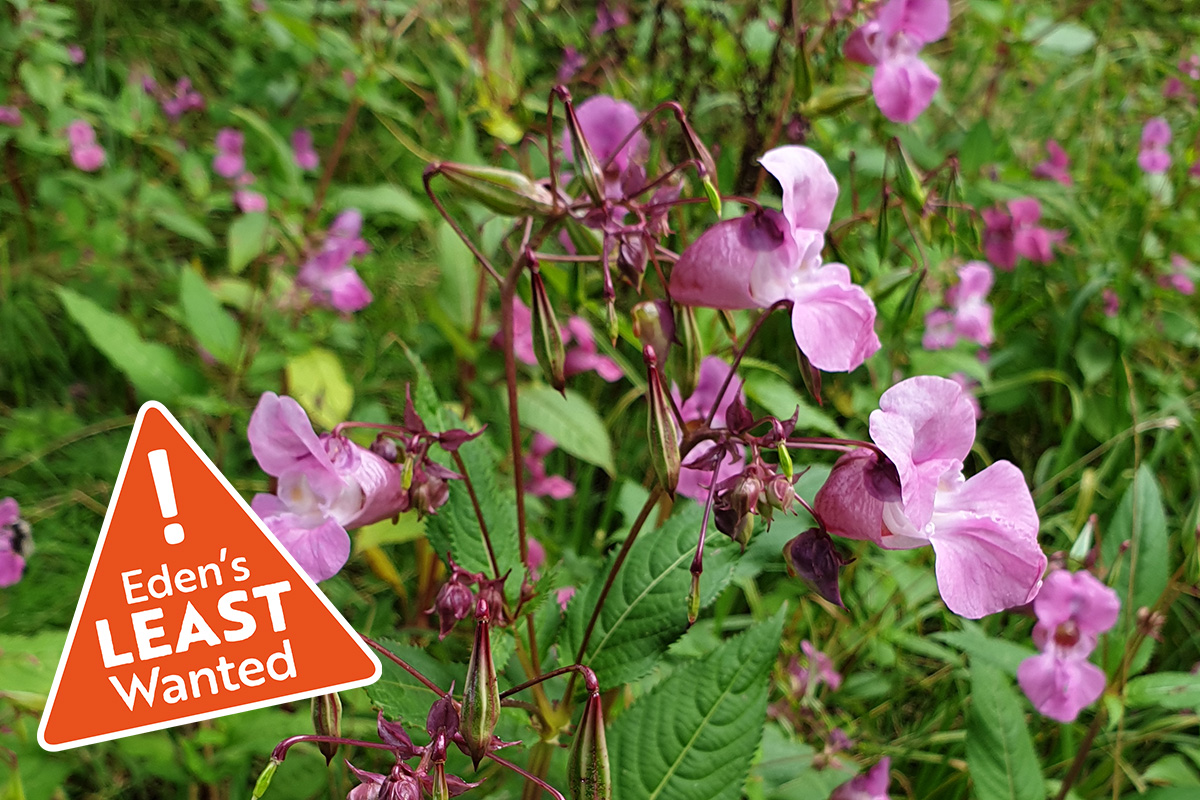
688,333
664,443
327,721
264,780
501,190
587,166
908,180
481,695
588,773
547,335
693,605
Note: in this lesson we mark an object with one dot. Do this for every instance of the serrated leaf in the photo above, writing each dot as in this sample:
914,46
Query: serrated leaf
215,330
1000,755
382,199
318,383
570,421
152,368
184,225
1164,689
646,609
695,734
247,240
401,696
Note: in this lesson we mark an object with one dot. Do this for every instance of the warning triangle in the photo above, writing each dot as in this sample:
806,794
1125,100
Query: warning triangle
191,608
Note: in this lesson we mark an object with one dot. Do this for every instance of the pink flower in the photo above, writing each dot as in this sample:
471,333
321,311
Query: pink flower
871,785
604,123
15,542
229,163
1054,168
572,62
10,116
328,274
609,19
1015,232
1112,303
85,153
183,100
1153,157
1073,609
767,256
695,483
583,357
970,315
302,150
903,85
983,530
326,484
1179,279
968,385
819,670
76,54
248,201
540,484
563,596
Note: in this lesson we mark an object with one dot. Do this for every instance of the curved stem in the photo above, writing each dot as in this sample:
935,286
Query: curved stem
527,775
281,749
589,679
483,529
737,359
404,665
427,179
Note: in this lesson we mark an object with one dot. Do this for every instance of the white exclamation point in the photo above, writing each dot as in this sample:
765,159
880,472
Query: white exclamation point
161,470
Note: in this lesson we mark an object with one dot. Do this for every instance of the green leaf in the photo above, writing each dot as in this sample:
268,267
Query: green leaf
184,225
1000,755
646,609
1141,572
318,383
247,240
401,696
152,368
44,82
283,151
381,199
407,528
214,328
570,421
27,665
1164,689
999,653
695,734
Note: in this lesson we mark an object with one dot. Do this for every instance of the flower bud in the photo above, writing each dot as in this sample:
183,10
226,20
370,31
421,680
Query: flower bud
833,100
264,779
547,335
503,191
454,602
589,776
327,721
385,447
393,734
908,181
780,493
481,695
587,166
813,557
664,444
743,498
443,718
707,165
654,325
430,494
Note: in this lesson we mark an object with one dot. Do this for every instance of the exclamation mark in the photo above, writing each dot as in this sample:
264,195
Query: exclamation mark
161,470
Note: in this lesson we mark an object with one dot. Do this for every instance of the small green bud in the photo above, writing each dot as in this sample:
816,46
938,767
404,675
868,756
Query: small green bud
664,443
481,694
688,333
908,180
588,772
714,197
327,721
693,605
264,780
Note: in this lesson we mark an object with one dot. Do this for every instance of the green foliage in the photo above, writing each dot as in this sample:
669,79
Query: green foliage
1000,752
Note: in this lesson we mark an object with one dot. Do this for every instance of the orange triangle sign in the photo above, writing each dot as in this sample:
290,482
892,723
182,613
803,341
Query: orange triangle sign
191,608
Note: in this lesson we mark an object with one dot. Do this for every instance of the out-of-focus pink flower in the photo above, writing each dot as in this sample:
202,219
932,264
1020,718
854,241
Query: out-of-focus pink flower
583,357
16,543
1191,67
695,483
76,54
903,84
229,162
766,256
540,484
10,116
968,386
563,596
605,122
1153,157
983,530
1073,609
302,150
1112,303
535,557
1054,168
1180,278
1174,88
572,62
326,485
328,275
182,100
1014,231
970,315
871,785
85,153
819,670
609,18
247,200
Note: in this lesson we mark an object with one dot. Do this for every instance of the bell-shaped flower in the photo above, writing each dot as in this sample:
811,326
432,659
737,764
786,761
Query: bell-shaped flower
983,530
903,84
1073,609
326,484
695,483
767,256
1153,157
1014,231
328,274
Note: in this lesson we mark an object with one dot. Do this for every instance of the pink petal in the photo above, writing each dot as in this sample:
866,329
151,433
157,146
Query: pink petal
1025,211
321,550
88,157
904,86
717,270
10,512
942,425
809,188
281,436
862,45
923,21
1060,688
985,540
975,279
605,122
833,320
844,503
695,483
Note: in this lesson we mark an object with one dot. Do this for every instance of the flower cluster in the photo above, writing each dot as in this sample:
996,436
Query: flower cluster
969,315
456,600
230,163
1014,231
911,492
1072,609
85,153
177,101
327,273
16,544
1153,157
403,782
903,84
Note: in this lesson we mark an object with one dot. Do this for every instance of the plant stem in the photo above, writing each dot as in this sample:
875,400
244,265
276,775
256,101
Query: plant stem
737,359
404,665
529,777
487,540
281,749
589,679
332,162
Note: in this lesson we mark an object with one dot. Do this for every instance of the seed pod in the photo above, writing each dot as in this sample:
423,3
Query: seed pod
440,789
327,721
264,779
693,605
908,181
501,190
547,335
587,166
813,557
588,773
654,325
688,334
664,444
481,695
